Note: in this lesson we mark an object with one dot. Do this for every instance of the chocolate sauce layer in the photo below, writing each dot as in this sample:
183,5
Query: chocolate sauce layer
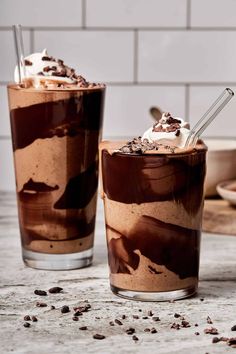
149,178
175,247
60,118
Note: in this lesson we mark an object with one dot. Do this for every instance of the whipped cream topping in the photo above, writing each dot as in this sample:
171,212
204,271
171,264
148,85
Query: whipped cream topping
168,131
44,71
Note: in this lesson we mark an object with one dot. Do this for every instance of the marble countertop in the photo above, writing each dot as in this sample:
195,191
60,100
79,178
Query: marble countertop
55,332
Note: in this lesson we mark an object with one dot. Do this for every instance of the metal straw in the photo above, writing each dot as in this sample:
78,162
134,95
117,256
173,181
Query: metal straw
19,47
208,117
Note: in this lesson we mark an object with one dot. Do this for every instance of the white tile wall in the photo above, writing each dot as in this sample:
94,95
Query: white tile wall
7,180
186,56
100,56
127,108
41,13
7,54
4,112
136,13
213,13
178,54
201,99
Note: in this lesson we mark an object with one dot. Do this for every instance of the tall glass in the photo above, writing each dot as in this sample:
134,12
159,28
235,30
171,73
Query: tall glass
55,137
153,210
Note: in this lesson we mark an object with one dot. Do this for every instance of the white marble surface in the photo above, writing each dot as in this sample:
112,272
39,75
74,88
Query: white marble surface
57,333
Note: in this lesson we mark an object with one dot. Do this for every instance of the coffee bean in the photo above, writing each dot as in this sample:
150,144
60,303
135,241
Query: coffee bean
40,292
65,309
153,330
98,336
55,290
34,319
26,324
27,318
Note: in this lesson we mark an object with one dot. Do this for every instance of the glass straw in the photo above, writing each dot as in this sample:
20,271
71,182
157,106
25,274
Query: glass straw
208,117
19,47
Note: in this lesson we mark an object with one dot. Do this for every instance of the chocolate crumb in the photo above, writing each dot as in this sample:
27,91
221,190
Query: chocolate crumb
27,318
75,318
233,328
78,313
118,322
65,309
135,338
211,330
215,340
185,324
26,324
41,304
28,62
171,301
153,330
209,321
53,307
177,133
147,330
83,328
197,333
156,318
224,339
40,73
196,325
99,336
123,317
150,313
177,315
175,326
232,342
136,317
55,290
97,318
144,317
34,319
111,323
130,331
40,292
140,310
46,58
201,299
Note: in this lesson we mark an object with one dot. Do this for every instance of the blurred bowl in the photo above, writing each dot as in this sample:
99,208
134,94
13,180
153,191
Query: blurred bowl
227,190
221,163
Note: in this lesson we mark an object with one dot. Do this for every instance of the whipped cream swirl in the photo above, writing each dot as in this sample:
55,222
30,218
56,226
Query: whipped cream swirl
44,71
168,131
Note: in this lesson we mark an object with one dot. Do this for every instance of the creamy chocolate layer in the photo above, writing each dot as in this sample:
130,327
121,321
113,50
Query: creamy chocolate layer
153,205
55,143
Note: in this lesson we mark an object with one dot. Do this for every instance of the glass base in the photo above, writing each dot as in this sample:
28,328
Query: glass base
155,296
57,261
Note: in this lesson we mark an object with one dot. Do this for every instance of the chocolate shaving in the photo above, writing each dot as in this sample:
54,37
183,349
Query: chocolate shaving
40,292
211,330
118,322
130,331
55,290
28,62
46,58
99,336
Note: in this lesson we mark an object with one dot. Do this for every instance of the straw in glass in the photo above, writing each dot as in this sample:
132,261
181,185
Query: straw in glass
19,47
208,117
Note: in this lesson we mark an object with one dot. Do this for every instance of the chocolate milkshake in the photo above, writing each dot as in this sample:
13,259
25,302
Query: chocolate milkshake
56,123
153,198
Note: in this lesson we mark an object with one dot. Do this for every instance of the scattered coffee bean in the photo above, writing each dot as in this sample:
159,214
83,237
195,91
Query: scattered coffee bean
75,318
53,307
135,317
135,338
150,313
177,315
34,319
140,310
232,342
65,309
144,317
41,304
83,328
26,324
123,317
156,318
118,322
233,328
78,313
211,330
153,330
130,331
197,333
111,323
27,318
55,290
185,324
40,292
99,336
215,340
201,299
209,321
175,326
147,330
196,325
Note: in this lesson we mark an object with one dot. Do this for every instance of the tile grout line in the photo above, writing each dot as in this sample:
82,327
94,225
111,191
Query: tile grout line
121,29
83,13
136,39
188,14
